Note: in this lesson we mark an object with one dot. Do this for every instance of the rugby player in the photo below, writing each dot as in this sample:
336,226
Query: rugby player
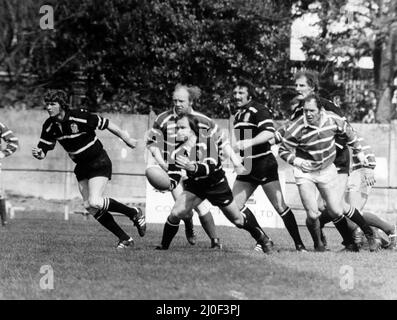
253,127
205,180
161,144
75,131
11,146
307,83
309,144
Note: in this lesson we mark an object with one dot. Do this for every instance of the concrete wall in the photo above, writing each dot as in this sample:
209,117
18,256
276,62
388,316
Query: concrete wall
24,180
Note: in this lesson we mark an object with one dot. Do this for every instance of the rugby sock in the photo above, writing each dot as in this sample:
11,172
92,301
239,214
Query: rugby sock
324,218
252,225
169,232
112,205
207,222
291,225
188,223
375,221
107,220
354,215
344,230
313,225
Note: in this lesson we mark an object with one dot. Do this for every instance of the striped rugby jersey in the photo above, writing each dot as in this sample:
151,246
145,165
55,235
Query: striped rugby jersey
163,132
249,121
317,144
10,139
342,150
76,134
369,154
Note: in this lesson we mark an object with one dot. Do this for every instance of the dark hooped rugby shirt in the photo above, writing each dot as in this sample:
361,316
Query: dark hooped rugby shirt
249,121
76,134
10,139
206,154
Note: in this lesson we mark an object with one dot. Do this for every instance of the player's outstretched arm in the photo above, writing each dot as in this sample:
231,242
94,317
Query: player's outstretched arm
122,134
234,158
157,155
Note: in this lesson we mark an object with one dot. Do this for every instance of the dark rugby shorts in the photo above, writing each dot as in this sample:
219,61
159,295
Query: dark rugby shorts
263,171
219,194
101,166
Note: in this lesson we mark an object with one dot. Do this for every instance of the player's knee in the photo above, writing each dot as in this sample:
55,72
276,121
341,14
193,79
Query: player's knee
92,211
313,215
280,207
201,211
238,221
335,211
180,213
95,202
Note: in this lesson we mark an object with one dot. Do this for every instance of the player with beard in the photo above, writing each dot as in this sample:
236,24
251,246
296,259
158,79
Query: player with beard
253,127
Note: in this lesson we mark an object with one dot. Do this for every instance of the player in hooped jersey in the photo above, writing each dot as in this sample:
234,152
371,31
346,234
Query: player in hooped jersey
205,180
309,145
12,145
253,127
162,143
307,83
75,131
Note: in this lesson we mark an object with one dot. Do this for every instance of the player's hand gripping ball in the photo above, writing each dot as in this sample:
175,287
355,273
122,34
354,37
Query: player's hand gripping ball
158,178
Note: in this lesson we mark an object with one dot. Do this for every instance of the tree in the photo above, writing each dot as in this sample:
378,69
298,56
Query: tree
138,50
353,29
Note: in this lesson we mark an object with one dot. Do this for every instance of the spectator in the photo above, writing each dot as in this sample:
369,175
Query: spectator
370,116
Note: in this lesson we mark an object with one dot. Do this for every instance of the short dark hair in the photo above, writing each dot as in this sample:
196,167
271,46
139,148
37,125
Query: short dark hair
248,84
193,123
56,95
311,78
314,97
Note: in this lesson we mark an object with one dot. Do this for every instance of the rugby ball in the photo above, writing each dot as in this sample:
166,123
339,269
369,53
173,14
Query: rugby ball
158,178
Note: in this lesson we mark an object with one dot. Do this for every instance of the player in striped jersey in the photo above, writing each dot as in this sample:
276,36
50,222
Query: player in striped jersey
359,185
309,145
307,83
11,146
205,180
162,143
10,139
75,131
253,127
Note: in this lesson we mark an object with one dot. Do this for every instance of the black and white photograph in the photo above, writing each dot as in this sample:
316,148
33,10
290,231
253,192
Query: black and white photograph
193,156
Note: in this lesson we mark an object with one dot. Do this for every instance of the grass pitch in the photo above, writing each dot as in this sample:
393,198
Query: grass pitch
86,265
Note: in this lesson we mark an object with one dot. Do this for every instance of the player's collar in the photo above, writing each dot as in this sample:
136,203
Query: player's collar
247,106
65,118
176,115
